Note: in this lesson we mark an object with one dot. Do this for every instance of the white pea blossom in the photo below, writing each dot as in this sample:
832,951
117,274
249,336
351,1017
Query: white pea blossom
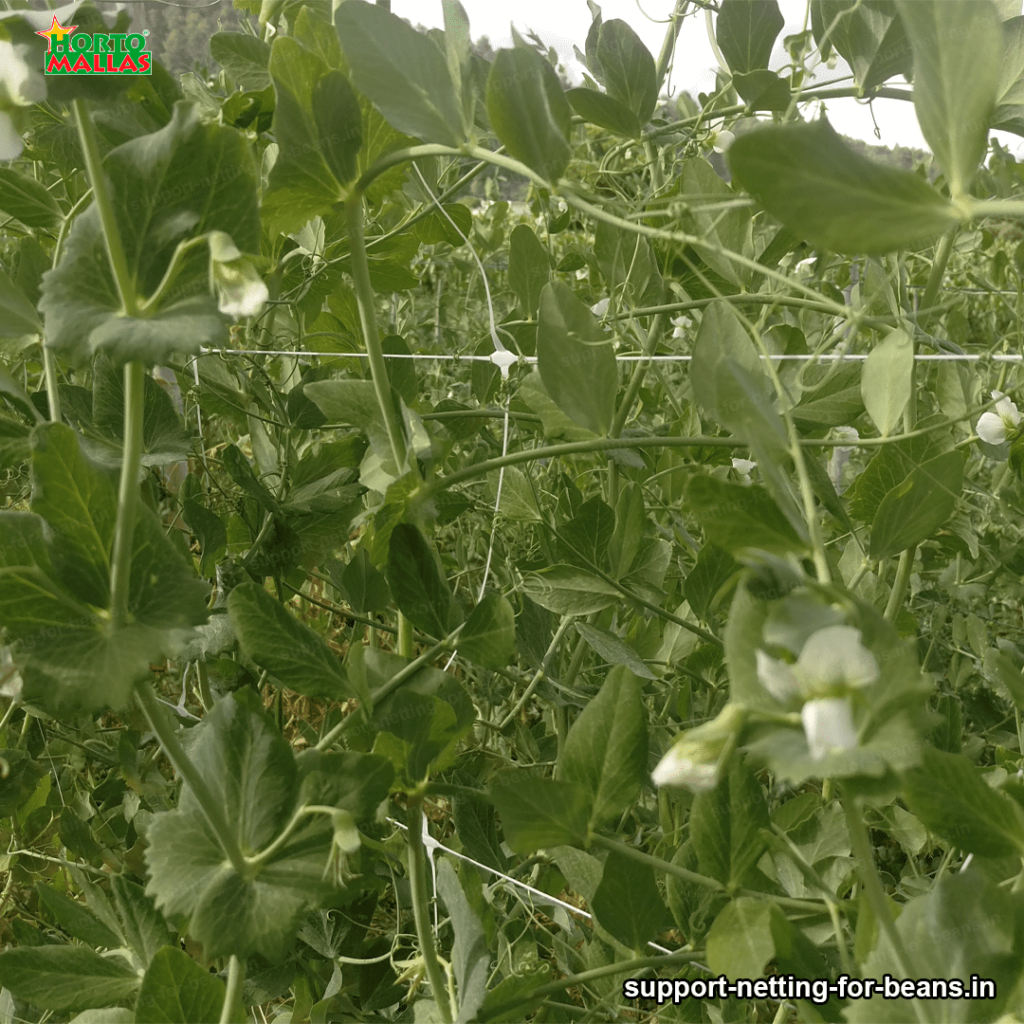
832,663
804,266
681,325
828,725
20,86
841,455
699,756
600,308
743,466
722,141
994,427
240,290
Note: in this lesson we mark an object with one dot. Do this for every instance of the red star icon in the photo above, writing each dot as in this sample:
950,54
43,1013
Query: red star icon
56,30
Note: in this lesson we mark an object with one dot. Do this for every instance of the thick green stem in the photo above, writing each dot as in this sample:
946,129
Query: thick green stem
899,586
371,336
861,843
637,379
233,991
211,808
111,235
405,644
625,850
128,494
421,908
931,289
668,46
52,385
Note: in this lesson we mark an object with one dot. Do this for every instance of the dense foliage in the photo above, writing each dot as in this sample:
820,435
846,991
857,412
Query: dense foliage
424,606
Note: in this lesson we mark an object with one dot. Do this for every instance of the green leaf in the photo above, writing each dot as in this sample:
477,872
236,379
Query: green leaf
1003,670
363,586
353,782
17,315
958,52
569,591
887,380
529,268
805,176
724,825
746,31
529,111
489,634
950,797
420,592
177,990
184,180
870,36
65,977
627,903
606,749
713,569
318,126
401,71
471,956
1009,112
209,530
913,510
285,647
145,929
627,261
739,518
576,359
605,111
740,941
251,773
25,200
77,920
537,813
614,650
730,228
627,68
243,57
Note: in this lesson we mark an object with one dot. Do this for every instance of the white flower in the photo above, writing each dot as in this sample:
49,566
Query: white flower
698,758
993,427
11,144
240,289
777,677
743,466
840,455
828,725
681,323
805,265
20,84
600,308
677,769
722,141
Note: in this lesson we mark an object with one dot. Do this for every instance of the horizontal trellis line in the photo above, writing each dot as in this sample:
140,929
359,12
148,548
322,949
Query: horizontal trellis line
938,357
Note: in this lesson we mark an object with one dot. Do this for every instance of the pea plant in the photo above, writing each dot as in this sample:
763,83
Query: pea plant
480,550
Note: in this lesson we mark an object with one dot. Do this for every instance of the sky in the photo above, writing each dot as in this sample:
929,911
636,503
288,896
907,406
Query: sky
562,23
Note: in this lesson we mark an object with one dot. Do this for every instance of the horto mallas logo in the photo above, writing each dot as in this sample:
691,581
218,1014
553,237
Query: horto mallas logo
99,53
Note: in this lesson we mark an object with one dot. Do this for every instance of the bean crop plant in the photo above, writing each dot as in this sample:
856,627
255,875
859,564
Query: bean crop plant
472,551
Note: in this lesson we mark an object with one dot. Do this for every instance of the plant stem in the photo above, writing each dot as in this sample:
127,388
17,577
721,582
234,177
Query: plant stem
128,493
233,991
637,378
625,850
931,289
405,645
371,336
111,235
899,586
52,386
421,908
861,843
211,808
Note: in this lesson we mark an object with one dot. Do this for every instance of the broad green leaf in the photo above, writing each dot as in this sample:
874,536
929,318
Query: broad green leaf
958,51
627,261
285,647
887,380
65,977
606,749
105,1015
724,825
243,57
489,634
805,176
950,797
614,650
145,929
913,510
1003,670
353,782
870,36
177,990
471,956
1009,112
763,90
627,903
537,813
318,126
627,69
569,591
605,111
746,30
529,111
401,71
24,199
575,359
729,228
363,586
529,267
77,920
713,569
209,530
965,926
739,518
251,773
740,941
184,180
17,316
244,476
420,592
584,540
354,402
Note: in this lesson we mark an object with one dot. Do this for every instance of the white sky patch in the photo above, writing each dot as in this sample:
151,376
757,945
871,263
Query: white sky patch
562,23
